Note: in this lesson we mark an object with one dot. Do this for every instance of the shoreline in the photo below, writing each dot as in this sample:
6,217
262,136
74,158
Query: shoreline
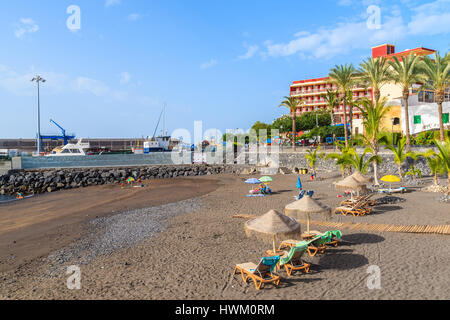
58,219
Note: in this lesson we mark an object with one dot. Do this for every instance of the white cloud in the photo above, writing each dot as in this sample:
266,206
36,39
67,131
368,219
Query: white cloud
19,84
110,3
96,87
251,51
341,39
431,18
326,42
125,78
26,25
208,64
134,16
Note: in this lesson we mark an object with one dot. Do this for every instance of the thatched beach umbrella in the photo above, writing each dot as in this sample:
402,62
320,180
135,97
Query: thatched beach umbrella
362,178
272,224
350,183
308,206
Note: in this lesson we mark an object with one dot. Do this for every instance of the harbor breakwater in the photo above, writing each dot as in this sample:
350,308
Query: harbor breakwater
49,180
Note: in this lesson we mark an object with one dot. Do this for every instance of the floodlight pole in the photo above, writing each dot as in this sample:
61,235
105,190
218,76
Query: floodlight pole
38,79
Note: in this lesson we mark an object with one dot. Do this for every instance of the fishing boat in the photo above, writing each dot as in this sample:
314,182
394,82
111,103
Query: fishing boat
163,142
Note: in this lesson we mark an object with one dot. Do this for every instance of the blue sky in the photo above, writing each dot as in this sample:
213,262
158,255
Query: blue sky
227,63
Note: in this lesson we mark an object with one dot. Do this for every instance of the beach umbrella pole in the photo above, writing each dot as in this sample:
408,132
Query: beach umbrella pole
274,241
307,223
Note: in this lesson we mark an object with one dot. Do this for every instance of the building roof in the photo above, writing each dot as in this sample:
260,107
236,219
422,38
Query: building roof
421,51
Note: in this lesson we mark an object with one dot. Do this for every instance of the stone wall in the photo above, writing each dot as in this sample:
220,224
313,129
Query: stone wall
388,166
41,181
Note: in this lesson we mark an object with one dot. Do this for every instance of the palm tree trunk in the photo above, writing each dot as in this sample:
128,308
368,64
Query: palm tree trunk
294,132
376,94
440,99
400,171
436,182
405,102
448,182
345,127
375,168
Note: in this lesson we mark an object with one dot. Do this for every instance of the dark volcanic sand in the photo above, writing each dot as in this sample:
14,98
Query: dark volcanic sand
37,226
194,256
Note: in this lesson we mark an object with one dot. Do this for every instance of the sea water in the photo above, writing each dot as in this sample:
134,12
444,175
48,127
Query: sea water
6,198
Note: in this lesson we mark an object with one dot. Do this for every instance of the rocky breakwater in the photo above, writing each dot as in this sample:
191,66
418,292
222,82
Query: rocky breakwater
42,181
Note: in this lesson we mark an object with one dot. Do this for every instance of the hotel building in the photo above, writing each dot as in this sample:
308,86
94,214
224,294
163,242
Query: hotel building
310,91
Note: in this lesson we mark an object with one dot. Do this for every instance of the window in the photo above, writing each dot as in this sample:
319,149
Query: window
445,117
417,119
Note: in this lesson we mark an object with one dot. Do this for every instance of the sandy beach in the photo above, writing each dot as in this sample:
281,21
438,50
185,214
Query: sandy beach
178,240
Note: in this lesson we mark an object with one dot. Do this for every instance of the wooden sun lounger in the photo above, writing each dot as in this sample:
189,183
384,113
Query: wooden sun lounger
260,274
312,249
296,263
365,198
357,209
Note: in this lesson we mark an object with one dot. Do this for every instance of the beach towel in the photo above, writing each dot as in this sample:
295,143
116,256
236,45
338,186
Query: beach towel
270,262
301,246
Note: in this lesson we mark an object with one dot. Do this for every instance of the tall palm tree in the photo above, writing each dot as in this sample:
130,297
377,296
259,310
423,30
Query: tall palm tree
292,104
437,72
406,72
350,103
372,113
343,77
374,72
332,99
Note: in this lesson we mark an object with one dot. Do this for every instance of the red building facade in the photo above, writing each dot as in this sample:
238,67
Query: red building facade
311,90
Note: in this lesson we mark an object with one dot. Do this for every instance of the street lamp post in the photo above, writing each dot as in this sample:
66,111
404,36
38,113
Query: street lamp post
38,79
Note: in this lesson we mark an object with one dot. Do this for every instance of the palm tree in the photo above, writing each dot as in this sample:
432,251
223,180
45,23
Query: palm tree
292,104
358,161
372,113
444,155
406,73
343,77
333,101
312,158
374,72
400,154
437,72
342,159
434,163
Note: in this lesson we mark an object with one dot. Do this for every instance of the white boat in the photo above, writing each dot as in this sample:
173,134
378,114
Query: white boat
157,144
71,149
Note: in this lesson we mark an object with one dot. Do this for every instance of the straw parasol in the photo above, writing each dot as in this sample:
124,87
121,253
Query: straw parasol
272,224
361,178
308,206
350,183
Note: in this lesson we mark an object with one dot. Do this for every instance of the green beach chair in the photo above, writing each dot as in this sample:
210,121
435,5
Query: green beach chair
334,235
261,273
294,262
318,244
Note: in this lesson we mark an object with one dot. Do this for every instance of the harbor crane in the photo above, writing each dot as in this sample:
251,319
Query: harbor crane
63,136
